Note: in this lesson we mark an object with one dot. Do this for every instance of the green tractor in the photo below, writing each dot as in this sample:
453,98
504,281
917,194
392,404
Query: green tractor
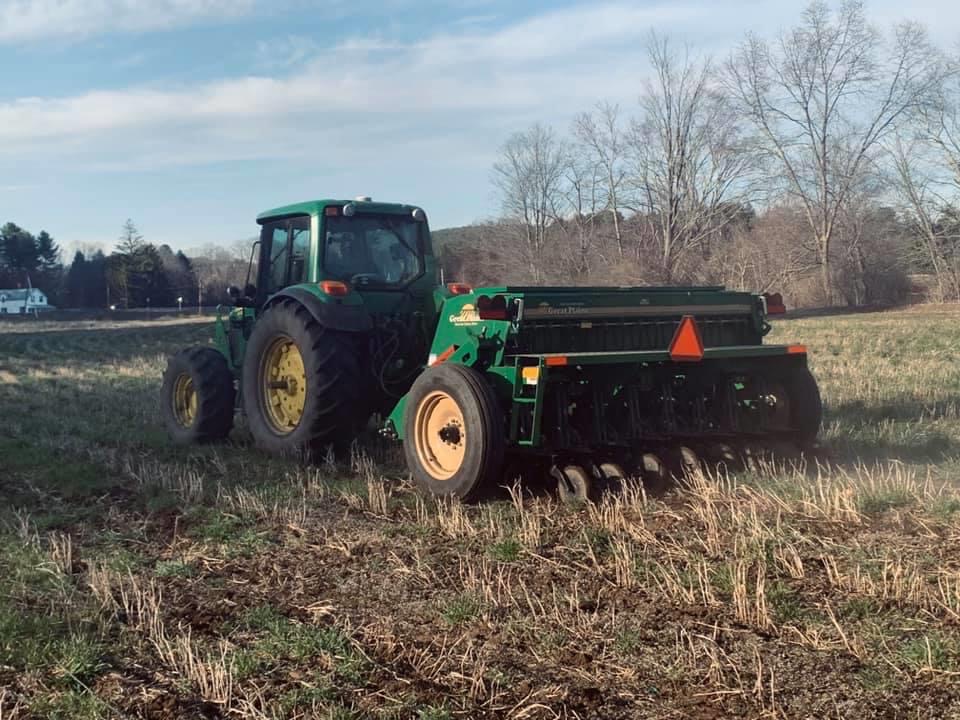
346,320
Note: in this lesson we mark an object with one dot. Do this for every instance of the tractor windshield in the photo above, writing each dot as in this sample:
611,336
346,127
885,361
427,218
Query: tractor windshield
373,250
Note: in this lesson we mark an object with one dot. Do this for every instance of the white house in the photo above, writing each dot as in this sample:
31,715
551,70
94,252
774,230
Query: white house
16,302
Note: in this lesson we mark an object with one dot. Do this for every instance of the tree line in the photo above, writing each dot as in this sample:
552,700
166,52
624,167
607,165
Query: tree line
824,162
135,274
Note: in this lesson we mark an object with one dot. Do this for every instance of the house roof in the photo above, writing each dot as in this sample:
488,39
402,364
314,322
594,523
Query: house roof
14,295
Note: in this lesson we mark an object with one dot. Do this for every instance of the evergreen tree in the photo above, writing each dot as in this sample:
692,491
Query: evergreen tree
76,287
18,254
48,252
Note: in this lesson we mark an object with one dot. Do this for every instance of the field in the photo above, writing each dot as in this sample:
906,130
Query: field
138,579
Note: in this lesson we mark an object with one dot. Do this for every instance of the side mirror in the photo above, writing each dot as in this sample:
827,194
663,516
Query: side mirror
250,290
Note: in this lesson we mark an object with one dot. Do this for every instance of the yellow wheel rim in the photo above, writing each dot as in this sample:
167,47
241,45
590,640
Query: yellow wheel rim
184,400
440,436
284,385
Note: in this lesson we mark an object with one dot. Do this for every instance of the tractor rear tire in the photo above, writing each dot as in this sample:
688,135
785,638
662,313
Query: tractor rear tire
453,432
197,396
304,386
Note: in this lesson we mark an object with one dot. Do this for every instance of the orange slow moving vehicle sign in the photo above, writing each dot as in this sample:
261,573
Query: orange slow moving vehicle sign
686,345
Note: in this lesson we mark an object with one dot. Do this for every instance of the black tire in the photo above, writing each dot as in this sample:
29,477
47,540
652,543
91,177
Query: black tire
483,430
209,376
806,407
335,404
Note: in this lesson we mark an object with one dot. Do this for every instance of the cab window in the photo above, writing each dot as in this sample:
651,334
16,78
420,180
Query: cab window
373,250
299,249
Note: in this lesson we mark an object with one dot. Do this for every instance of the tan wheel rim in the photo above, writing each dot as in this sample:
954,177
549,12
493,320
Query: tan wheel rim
184,400
284,385
440,436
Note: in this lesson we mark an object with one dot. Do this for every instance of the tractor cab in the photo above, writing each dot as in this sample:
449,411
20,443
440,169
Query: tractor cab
335,289
381,251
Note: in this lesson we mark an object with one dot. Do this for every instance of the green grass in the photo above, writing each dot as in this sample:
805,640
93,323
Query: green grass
31,641
787,605
461,609
434,712
930,652
279,637
507,550
627,640
174,568
70,705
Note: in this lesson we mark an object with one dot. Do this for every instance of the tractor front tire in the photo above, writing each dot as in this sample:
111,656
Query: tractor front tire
453,432
197,396
304,388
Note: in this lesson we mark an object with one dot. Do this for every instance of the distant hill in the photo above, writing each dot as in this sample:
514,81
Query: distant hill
448,238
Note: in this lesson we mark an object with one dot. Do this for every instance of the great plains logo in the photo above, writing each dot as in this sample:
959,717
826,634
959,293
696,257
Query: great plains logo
467,316
570,309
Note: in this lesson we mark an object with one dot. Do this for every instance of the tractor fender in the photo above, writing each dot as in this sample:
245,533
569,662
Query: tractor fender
328,312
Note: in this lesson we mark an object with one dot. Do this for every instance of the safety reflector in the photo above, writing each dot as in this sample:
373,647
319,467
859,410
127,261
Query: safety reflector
555,360
686,345
796,349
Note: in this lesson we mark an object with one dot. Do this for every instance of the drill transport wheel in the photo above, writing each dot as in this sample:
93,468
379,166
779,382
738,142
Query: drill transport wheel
454,439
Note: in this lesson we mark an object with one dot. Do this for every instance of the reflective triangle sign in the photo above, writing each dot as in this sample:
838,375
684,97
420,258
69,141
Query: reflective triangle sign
686,345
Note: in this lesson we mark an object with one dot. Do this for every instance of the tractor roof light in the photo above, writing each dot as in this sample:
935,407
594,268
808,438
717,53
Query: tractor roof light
349,210
419,215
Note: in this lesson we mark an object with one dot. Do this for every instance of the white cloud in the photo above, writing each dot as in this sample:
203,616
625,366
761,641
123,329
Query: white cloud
453,94
526,66
24,20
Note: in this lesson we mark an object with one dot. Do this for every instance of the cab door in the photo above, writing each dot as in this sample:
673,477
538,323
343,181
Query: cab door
284,255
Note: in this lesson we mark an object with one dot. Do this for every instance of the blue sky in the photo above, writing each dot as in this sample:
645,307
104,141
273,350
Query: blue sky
191,116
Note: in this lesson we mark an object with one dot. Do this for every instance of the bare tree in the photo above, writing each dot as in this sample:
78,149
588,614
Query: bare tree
600,135
941,127
928,200
822,99
577,221
689,167
530,177
927,174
